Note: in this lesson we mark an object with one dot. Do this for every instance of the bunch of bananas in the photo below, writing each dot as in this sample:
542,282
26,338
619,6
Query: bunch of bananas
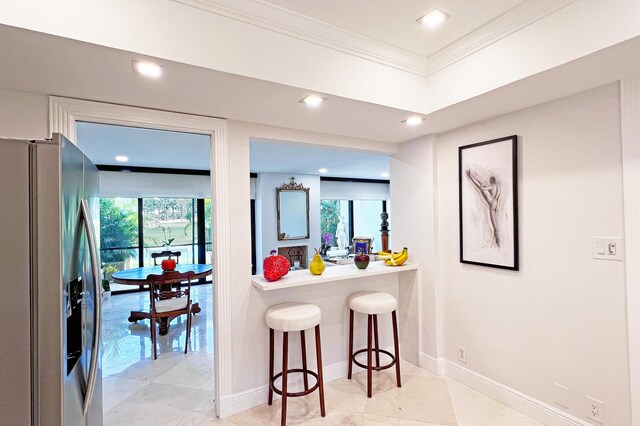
394,258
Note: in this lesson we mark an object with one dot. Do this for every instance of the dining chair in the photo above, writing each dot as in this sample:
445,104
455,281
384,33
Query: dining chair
165,253
168,303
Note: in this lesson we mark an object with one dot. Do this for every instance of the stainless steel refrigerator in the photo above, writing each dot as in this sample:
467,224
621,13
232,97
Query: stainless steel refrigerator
50,286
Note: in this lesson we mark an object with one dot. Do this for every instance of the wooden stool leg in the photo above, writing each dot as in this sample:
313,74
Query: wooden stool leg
396,347
375,335
186,341
320,380
350,343
270,365
154,339
285,356
303,349
369,361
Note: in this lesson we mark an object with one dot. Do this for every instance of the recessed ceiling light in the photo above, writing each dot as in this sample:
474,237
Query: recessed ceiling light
413,121
323,170
312,100
122,158
384,174
147,69
433,18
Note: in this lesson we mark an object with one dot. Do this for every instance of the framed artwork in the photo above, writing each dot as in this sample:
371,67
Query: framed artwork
488,191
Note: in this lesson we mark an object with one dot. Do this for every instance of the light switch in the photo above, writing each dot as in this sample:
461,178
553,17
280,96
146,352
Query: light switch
608,248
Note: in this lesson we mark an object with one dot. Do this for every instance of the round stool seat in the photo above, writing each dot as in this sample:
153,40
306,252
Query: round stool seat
293,316
372,302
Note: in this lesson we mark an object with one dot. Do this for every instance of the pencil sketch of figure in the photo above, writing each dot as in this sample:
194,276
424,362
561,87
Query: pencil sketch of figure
490,192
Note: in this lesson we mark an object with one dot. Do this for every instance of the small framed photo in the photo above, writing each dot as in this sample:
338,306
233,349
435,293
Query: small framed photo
488,197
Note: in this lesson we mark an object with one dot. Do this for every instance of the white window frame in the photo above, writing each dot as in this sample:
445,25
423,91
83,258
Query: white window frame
64,113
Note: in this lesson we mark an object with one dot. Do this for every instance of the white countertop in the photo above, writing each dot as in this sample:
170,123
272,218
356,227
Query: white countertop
335,273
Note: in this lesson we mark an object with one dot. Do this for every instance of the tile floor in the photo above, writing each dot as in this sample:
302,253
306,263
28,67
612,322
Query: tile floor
176,389
138,390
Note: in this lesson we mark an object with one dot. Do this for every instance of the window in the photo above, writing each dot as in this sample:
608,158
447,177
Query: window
331,212
119,244
360,217
366,220
183,223
169,224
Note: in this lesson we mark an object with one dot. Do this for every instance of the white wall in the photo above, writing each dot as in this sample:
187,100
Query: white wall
136,185
23,115
562,318
413,224
267,214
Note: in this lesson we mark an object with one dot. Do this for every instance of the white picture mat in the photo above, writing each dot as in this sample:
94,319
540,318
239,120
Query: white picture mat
480,244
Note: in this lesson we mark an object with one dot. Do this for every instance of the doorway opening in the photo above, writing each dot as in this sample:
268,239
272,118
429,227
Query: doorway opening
155,205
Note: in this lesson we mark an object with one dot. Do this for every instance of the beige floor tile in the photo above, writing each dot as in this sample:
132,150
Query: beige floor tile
371,420
306,410
116,389
160,404
196,371
258,416
475,409
423,399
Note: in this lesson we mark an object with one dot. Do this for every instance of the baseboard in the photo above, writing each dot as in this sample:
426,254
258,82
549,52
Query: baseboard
525,404
430,364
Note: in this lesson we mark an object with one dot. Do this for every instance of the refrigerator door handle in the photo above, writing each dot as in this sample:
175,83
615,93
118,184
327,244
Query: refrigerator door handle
95,269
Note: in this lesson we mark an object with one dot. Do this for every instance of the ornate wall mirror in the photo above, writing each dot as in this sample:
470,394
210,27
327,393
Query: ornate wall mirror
293,211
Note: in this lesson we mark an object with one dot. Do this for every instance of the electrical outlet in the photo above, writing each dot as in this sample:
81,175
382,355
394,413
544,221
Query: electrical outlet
462,354
595,410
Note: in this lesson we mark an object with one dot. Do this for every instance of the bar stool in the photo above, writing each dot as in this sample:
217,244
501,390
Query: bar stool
289,317
373,303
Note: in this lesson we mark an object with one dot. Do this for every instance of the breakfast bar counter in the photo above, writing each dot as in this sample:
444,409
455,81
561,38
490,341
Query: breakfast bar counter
303,277
330,292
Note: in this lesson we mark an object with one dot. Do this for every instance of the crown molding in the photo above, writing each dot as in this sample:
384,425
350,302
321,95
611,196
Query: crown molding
515,19
274,18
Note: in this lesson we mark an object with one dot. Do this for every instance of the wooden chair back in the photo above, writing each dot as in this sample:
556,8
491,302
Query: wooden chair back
165,253
161,287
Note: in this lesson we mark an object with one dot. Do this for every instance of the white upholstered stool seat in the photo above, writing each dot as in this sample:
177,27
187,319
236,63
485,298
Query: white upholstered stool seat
372,302
293,316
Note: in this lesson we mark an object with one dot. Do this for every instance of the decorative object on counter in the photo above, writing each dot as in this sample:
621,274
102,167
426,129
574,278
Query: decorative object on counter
292,200
275,266
362,260
168,264
327,242
488,191
342,235
395,258
384,230
317,265
362,244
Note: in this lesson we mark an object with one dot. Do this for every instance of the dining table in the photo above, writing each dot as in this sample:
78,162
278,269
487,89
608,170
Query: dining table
138,277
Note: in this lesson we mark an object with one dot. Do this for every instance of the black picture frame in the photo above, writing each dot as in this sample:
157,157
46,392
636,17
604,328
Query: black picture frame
488,203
